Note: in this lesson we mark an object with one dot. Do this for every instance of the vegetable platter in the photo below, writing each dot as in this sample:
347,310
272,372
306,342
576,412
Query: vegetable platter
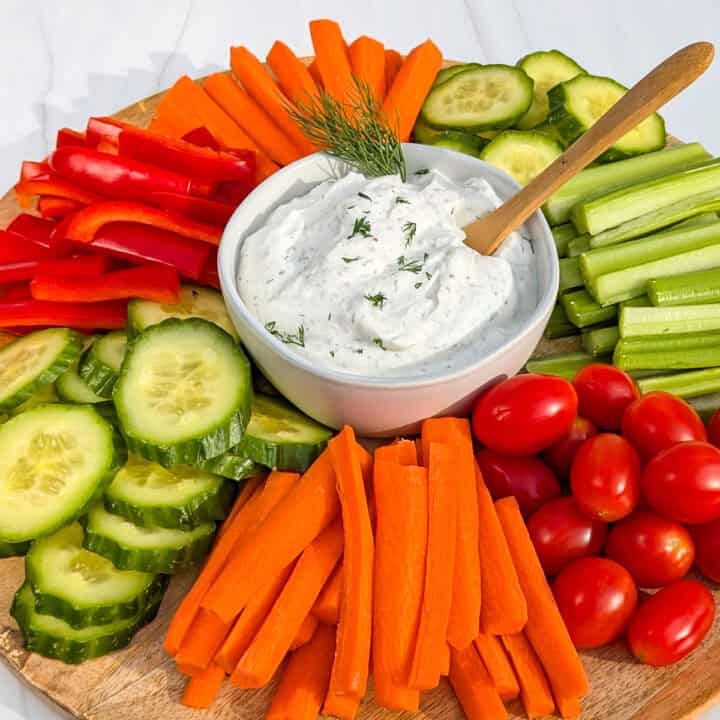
140,680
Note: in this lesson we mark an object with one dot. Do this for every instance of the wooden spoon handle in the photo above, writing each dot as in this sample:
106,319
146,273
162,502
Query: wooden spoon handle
652,92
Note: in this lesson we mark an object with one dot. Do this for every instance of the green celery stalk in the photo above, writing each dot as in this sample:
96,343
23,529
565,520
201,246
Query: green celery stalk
661,343
565,365
559,326
693,383
570,275
601,179
702,357
690,288
635,321
582,310
562,235
706,405
600,341
701,219
640,301
578,245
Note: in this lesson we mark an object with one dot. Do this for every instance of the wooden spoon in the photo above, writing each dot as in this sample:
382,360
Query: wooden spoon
652,92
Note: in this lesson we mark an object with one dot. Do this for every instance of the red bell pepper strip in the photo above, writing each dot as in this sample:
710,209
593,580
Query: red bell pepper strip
66,137
200,209
103,129
57,208
33,313
120,178
141,244
210,274
84,266
184,157
230,193
83,226
17,248
33,228
150,282
12,293
31,169
202,137
53,185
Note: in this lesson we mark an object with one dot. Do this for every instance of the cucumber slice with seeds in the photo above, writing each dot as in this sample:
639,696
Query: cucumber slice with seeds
54,638
81,587
521,154
35,360
234,465
547,68
184,392
448,72
100,365
46,394
145,549
150,495
465,142
54,461
489,96
195,301
281,437
13,549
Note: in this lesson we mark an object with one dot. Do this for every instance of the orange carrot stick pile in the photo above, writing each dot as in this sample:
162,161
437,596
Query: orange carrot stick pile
498,665
292,75
393,61
534,689
367,59
473,686
331,56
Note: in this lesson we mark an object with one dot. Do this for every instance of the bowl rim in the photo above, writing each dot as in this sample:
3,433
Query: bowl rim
230,246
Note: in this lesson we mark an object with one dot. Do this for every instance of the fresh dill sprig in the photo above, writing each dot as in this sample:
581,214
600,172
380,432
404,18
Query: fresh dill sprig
418,285
296,338
364,196
361,227
379,343
411,266
422,171
350,260
409,228
377,300
399,200
356,131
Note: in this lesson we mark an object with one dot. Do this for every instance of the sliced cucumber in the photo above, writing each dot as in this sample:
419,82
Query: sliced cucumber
81,587
54,638
488,96
448,72
13,549
100,365
145,549
35,360
54,461
281,437
195,301
45,394
184,392
547,68
457,140
576,105
233,464
72,388
152,496
521,154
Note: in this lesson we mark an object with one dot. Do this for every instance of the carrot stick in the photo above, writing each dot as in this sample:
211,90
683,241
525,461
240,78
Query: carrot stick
202,689
569,707
202,641
473,686
418,452
175,127
249,622
302,515
393,62
304,682
498,665
261,87
545,628
272,642
410,87
504,610
439,569
293,76
401,502
240,501
327,607
332,59
306,631
348,680
445,660
315,74
407,452
534,689
367,59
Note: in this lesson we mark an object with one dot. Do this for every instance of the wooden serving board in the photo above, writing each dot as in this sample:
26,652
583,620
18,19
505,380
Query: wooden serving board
141,683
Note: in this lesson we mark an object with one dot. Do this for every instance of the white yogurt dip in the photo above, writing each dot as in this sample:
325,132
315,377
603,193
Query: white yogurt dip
371,276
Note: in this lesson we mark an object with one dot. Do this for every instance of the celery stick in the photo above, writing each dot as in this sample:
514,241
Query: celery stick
706,405
701,219
559,326
633,281
701,357
600,341
667,320
570,275
563,234
578,245
602,179
582,310
621,206
640,301
691,288
660,343
565,365
642,374
686,384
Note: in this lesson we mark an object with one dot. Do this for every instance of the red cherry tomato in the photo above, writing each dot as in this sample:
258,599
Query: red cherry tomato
525,414
672,623
659,420
560,455
596,597
603,393
653,549
683,482
529,479
605,477
714,429
561,533
707,549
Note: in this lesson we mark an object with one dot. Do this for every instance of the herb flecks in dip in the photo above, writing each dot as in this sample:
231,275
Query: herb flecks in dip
376,274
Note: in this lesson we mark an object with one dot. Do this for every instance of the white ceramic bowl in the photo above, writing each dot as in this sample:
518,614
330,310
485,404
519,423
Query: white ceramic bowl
379,406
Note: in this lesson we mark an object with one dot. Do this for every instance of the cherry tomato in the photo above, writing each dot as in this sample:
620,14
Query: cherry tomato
714,429
707,549
529,479
671,623
605,477
596,597
653,549
561,533
525,414
560,455
683,483
659,420
603,393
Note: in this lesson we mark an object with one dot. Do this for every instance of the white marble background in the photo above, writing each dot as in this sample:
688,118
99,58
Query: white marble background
63,60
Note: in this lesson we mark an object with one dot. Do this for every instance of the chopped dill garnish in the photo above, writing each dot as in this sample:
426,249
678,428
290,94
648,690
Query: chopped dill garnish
418,285
297,338
409,228
360,227
428,275
332,353
379,343
363,195
359,351
349,260
422,171
377,300
412,266
399,200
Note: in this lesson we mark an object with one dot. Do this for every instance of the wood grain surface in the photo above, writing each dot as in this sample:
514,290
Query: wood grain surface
140,682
